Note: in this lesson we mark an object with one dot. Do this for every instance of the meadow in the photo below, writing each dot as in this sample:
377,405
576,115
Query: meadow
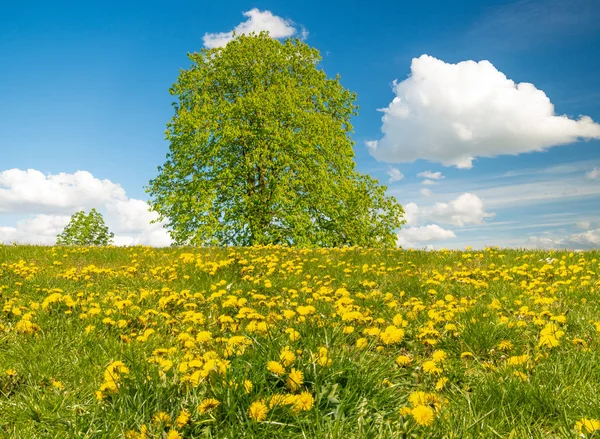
276,342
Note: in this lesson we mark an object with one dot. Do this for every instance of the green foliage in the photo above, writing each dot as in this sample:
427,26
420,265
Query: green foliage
85,230
261,153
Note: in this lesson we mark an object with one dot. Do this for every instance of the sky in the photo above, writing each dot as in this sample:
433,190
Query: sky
481,117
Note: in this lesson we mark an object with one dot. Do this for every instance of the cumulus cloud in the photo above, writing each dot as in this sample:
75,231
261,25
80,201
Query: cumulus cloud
594,174
428,182
46,203
257,22
464,210
453,113
413,236
31,191
425,192
431,175
395,175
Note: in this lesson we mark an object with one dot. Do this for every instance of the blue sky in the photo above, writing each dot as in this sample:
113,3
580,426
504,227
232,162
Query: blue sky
84,87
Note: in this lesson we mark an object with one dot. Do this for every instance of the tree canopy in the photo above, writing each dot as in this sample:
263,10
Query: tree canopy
261,153
85,230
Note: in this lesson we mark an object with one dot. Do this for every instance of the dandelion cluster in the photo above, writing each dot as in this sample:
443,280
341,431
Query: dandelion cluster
285,342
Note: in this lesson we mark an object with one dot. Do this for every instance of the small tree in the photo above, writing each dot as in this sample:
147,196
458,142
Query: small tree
261,153
85,230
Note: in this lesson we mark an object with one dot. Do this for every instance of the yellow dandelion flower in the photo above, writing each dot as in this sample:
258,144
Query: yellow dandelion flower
362,343
423,415
303,402
294,380
287,357
404,411
403,360
258,411
418,398
183,418
161,418
517,360
275,367
173,434
431,367
439,356
520,375
587,425
207,405
441,383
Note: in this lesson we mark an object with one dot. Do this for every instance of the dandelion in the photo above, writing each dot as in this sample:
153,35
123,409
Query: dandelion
439,356
441,383
287,357
173,434
183,418
403,360
423,415
295,380
431,367
207,405
404,411
276,368
585,426
258,411
161,418
362,343
303,402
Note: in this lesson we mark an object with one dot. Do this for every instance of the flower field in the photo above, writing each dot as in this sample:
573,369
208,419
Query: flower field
275,342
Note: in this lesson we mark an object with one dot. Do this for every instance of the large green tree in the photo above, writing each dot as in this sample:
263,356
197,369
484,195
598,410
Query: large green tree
85,230
261,153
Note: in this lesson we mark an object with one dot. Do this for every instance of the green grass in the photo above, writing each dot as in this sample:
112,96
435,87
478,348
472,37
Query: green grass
358,395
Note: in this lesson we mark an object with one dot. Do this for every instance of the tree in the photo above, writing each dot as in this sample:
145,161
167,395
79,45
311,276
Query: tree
261,153
85,230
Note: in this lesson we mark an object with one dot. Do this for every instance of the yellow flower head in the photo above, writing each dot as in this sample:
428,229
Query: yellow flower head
258,411
303,402
275,367
587,425
287,357
207,405
295,379
403,360
423,415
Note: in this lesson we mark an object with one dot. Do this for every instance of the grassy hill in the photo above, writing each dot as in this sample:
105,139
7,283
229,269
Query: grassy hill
276,342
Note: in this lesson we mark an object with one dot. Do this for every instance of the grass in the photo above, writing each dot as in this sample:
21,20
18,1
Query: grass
503,343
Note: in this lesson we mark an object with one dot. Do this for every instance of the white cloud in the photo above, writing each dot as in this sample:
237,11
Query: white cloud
466,209
45,204
426,192
40,229
431,175
34,192
411,214
453,113
594,174
257,22
583,240
413,236
395,175
428,182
